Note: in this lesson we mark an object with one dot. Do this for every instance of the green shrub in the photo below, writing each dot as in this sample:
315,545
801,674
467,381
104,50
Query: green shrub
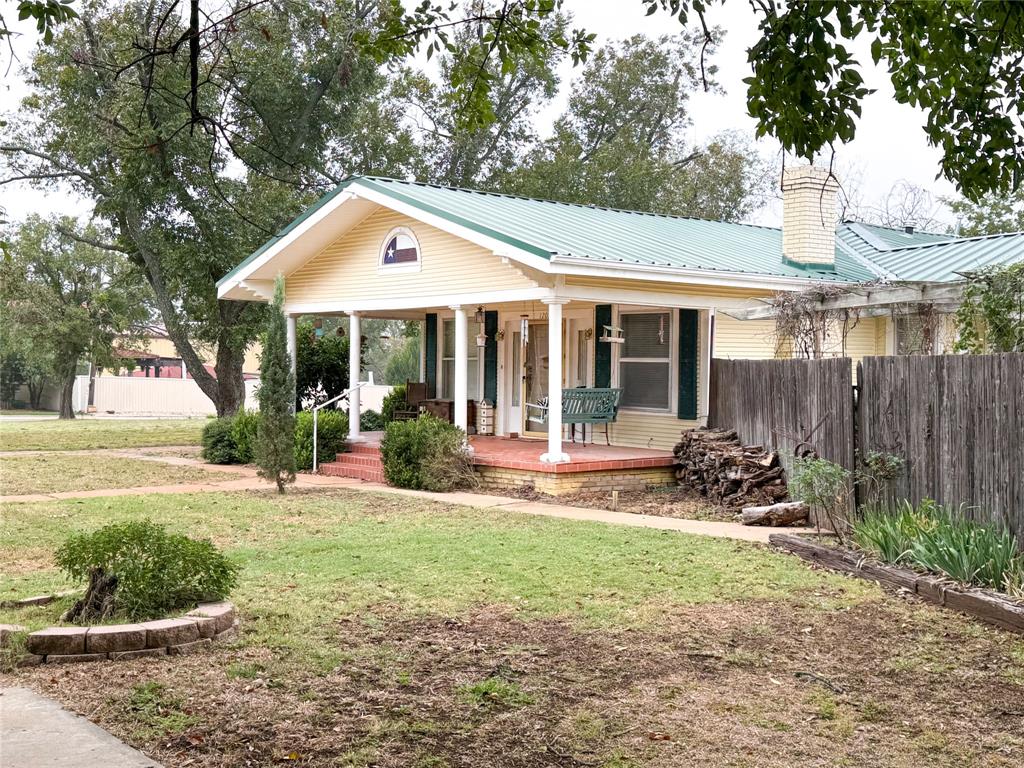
932,538
393,400
157,572
332,432
967,551
824,485
243,431
426,453
219,441
890,535
371,421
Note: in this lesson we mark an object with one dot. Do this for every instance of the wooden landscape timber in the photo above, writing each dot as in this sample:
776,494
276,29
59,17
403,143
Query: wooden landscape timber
717,465
990,607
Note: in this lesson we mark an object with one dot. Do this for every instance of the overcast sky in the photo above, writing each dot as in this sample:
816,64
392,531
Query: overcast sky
890,145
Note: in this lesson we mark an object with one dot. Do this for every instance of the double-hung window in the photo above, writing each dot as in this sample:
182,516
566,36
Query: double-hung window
645,360
448,363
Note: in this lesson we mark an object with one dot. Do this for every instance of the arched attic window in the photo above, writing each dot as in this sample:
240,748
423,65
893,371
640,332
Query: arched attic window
400,252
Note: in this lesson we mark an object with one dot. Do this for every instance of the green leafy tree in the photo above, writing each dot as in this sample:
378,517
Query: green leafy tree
283,108
70,301
990,317
992,215
275,436
620,141
959,62
464,152
321,367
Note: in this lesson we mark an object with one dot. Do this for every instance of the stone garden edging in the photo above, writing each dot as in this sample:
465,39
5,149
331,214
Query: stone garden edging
195,631
988,606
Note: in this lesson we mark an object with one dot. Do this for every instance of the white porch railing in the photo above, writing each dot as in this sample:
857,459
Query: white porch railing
316,410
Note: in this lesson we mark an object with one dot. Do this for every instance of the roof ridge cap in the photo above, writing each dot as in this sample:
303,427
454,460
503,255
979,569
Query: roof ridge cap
953,239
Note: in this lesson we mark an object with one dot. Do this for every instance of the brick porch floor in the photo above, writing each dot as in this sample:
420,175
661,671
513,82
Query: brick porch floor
522,458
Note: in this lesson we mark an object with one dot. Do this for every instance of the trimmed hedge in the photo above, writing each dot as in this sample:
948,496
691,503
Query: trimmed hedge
230,439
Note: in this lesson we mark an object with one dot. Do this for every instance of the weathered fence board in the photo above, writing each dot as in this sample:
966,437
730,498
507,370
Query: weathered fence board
779,403
958,422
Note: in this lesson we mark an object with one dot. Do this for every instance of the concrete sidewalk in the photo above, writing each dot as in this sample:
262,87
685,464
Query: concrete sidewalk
36,731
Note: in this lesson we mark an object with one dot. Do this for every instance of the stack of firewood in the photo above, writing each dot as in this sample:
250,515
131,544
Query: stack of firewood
720,467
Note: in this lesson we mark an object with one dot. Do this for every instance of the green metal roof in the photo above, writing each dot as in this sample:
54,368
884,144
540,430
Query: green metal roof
606,236
611,236
947,260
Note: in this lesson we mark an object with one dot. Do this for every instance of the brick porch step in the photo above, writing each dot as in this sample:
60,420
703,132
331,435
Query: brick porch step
362,462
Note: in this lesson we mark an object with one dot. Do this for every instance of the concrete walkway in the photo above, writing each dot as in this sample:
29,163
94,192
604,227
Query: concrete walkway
36,731
249,481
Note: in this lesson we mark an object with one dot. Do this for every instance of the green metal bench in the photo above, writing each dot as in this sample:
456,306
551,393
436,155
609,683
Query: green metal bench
585,405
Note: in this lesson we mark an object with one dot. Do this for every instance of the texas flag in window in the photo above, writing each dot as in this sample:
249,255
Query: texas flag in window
400,249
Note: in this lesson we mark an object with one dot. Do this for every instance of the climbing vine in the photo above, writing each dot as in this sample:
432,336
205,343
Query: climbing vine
991,314
804,330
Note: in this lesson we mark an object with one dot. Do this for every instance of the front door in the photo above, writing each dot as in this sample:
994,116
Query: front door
535,379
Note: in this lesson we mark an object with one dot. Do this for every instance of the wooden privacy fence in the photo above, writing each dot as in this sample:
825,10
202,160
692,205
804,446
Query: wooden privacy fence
780,403
958,422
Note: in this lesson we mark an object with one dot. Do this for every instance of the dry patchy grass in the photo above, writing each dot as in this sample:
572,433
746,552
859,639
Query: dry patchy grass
91,433
387,631
56,472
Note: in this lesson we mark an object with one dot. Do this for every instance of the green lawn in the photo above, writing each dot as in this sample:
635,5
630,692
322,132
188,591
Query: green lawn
307,556
383,630
90,433
56,472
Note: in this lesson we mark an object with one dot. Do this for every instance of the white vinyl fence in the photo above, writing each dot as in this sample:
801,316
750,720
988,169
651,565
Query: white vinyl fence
139,396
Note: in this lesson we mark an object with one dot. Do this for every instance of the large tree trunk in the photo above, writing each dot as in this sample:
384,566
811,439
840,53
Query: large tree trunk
35,385
230,381
67,391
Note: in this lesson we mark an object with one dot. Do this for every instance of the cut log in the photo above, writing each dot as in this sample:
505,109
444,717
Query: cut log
784,513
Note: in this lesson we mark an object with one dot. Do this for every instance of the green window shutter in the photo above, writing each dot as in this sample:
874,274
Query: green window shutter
602,349
689,323
430,341
491,357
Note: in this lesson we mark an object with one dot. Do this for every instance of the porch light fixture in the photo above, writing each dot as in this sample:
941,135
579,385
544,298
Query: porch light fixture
479,316
613,335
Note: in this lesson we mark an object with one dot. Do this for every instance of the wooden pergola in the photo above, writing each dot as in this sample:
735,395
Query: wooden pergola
874,300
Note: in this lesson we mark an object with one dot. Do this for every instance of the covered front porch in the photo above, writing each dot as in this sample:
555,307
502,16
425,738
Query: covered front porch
504,463
514,360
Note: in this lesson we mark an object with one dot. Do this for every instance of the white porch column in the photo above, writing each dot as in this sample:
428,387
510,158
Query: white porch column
354,343
707,350
292,346
461,389
554,454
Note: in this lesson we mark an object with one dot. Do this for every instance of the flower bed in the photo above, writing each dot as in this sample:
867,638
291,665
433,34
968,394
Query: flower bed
195,631
991,607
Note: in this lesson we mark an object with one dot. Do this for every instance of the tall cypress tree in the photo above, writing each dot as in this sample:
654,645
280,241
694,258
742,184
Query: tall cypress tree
275,438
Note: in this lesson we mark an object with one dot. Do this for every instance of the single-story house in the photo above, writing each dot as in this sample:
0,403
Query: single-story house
524,298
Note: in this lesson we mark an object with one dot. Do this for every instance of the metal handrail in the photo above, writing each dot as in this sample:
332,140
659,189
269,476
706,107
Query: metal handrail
316,409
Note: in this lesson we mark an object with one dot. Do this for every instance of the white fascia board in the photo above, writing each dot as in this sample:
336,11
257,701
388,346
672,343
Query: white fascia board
269,254
465,233
646,298
477,298
568,265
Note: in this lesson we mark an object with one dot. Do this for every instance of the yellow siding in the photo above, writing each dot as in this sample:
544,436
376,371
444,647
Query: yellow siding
347,269
635,429
744,339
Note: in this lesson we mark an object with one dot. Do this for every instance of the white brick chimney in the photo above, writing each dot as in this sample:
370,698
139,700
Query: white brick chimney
809,216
